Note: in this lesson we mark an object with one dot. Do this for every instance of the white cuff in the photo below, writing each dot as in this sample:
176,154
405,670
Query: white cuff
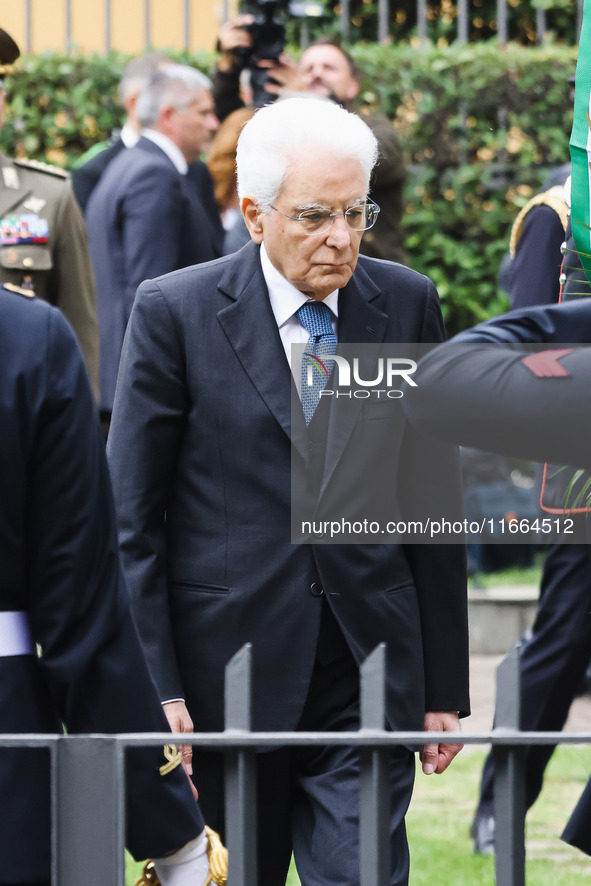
187,867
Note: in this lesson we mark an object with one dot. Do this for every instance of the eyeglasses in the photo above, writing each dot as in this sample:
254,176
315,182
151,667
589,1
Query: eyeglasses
315,221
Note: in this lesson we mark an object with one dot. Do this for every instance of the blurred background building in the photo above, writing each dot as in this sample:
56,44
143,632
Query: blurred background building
125,25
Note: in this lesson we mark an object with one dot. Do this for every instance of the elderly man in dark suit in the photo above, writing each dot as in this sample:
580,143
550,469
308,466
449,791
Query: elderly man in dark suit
69,652
146,215
200,452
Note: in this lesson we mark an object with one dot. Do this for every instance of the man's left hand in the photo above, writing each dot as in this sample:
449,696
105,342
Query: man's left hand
437,757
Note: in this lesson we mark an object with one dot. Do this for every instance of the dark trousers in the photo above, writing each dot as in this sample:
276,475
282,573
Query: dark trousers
553,662
307,800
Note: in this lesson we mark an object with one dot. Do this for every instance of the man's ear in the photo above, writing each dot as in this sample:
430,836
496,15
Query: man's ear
352,91
166,121
252,217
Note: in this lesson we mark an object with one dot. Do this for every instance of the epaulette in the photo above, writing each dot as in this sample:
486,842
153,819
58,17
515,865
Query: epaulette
554,198
19,290
39,166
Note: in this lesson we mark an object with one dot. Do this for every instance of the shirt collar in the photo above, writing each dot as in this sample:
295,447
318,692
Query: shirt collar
172,151
284,297
128,135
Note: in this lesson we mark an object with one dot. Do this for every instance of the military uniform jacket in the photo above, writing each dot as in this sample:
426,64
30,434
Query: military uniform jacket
58,270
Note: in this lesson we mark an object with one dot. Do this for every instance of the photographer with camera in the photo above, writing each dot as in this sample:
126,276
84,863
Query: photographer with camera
253,43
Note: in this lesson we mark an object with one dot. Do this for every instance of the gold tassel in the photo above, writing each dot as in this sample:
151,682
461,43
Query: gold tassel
218,864
149,876
218,859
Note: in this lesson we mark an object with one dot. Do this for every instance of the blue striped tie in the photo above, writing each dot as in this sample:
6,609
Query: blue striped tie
322,344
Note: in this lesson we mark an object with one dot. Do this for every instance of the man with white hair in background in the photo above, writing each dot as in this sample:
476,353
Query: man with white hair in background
200,450
146,216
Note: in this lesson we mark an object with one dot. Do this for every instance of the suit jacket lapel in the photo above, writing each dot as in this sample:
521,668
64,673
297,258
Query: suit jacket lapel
360,322
249,324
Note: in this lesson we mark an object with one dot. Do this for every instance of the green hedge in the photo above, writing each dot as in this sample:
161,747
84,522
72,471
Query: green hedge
480,128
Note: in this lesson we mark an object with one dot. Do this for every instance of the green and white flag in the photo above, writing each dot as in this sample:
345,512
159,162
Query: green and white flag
580,147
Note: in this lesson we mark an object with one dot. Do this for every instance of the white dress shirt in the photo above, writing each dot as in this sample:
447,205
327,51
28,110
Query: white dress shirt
128,135
172,151
285,302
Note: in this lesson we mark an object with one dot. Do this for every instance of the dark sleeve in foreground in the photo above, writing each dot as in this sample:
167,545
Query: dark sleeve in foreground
485,397
547,324
79,610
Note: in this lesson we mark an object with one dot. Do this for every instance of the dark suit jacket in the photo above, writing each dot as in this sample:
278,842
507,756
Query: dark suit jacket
59,563
200,456
86,177
143,219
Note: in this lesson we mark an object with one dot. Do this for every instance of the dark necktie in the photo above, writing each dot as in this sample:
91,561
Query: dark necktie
316,360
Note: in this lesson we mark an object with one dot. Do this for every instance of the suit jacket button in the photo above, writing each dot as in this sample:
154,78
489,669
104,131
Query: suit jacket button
316,589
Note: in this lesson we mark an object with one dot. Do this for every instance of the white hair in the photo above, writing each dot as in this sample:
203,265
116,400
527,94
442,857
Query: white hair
281,133
174,86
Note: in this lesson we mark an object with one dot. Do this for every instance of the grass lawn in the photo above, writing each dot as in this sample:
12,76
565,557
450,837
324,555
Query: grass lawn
511,577
439,821
442,809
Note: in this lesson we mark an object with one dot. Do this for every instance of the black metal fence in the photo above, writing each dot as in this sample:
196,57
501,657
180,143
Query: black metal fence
87,780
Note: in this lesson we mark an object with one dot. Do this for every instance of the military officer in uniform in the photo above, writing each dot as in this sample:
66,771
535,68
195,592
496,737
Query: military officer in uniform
43,244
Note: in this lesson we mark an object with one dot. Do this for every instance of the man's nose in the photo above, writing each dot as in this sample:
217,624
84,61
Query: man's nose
339,232
312,73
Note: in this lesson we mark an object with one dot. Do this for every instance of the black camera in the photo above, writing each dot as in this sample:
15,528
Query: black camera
268,38
268,29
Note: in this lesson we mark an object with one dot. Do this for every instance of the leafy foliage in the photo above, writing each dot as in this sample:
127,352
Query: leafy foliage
59,106
480,128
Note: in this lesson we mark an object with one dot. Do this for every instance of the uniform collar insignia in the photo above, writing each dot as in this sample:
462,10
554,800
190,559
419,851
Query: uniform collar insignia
34,204
20,290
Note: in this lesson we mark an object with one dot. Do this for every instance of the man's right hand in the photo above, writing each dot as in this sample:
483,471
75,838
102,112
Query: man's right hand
180,721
